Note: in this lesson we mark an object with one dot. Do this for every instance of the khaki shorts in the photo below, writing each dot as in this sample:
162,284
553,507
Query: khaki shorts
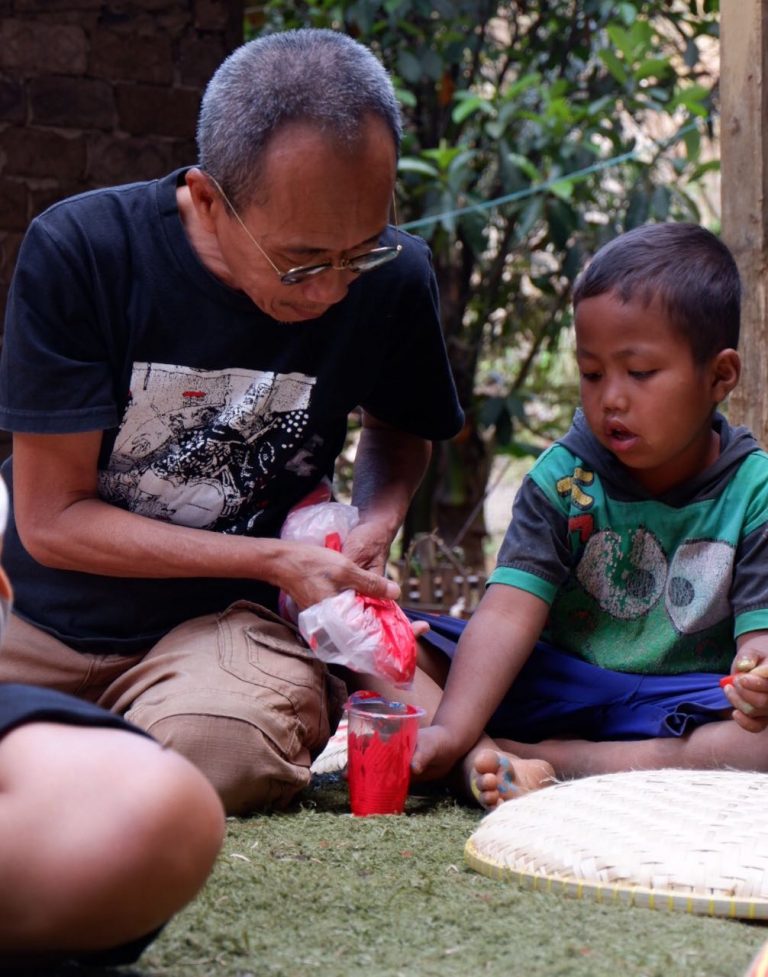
238,693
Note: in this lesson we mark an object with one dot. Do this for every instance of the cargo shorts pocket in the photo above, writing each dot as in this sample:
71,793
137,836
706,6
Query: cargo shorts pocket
288,683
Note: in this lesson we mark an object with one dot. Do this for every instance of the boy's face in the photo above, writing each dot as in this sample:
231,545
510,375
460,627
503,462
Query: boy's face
644,397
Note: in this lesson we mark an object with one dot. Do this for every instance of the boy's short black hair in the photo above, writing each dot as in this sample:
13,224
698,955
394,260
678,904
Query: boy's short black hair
687,267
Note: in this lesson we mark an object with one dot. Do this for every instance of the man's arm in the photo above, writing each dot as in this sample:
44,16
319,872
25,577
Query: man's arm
389,465
493,648
64,524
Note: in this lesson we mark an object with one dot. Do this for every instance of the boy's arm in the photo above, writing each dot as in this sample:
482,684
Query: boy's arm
493,648
748,693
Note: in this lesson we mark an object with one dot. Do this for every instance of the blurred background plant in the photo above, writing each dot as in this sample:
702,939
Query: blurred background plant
535,131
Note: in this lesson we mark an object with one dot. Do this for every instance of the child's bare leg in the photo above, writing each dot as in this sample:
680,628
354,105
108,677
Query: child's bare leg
103,836
715,745
493,775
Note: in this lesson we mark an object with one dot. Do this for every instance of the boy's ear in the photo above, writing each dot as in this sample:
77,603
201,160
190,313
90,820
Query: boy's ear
726,371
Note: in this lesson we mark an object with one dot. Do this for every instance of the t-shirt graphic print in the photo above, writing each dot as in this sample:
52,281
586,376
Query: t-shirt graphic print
200,448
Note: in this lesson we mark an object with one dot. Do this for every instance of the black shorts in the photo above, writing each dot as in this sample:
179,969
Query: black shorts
22,704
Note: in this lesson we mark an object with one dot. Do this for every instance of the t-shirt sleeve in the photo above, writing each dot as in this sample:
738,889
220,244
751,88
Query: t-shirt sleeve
414,389
749,592
534,555
54,373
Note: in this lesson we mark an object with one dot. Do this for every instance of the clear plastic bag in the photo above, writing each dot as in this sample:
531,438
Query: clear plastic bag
324,524
365,634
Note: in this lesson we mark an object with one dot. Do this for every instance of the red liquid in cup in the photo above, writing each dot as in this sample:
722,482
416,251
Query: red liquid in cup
381,740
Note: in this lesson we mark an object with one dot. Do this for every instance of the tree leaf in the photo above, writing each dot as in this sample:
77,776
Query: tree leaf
469,104
409,67
409,164
652,68
613,64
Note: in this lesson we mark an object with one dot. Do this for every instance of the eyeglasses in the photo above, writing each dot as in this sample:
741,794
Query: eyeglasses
357,264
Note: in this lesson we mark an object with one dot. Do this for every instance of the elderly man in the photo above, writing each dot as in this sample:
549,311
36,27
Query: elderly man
181,357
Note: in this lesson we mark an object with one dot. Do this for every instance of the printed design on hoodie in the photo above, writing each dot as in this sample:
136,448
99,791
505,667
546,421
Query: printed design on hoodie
627,573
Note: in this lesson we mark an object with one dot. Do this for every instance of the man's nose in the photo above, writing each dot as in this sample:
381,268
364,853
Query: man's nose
329,287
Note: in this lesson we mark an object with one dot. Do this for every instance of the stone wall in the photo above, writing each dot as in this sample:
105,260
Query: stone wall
94,93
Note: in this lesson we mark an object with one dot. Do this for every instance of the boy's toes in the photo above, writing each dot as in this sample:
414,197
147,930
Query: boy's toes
484,787
496,777
487,761
488,799
491,779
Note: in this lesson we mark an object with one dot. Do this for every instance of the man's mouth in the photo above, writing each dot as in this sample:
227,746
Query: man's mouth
303,314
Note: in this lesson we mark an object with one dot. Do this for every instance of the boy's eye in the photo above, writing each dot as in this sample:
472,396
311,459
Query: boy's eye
641,374
589,377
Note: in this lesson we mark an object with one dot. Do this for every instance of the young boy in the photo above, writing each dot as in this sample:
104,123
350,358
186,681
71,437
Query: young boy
637,551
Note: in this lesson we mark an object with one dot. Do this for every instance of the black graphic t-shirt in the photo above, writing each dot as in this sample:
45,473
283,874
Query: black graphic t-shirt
214,415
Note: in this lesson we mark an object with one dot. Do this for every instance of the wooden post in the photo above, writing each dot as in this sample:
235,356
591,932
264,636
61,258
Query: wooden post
744,160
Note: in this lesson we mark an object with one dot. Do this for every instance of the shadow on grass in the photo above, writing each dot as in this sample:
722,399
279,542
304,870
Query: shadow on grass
68,969
328,794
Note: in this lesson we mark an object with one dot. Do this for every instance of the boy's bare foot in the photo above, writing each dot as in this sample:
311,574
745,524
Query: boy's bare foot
494,776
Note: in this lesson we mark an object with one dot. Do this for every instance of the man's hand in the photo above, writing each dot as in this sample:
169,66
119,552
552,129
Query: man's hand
748,691
311,573
368,545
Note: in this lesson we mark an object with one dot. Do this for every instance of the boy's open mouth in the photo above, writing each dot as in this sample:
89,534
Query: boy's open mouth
618,435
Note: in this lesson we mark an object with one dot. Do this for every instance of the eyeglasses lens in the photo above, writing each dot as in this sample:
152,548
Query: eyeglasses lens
358,265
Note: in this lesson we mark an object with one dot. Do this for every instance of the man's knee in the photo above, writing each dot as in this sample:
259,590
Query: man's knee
248,770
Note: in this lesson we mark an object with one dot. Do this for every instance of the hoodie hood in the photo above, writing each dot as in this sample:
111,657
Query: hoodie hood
735,444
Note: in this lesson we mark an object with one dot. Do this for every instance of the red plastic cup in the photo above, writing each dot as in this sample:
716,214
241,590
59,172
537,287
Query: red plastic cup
381,738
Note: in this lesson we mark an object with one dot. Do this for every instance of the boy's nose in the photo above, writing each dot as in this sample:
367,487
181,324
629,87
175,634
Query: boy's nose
614,397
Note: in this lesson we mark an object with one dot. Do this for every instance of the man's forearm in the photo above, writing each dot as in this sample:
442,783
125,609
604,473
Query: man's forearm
389,467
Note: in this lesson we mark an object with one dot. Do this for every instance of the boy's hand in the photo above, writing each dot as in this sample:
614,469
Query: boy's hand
748,690
435,755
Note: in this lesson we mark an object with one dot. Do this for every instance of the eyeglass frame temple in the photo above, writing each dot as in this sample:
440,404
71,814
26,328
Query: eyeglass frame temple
325,265
242,224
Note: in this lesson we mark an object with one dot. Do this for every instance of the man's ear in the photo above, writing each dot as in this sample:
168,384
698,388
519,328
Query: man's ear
725,373
203,197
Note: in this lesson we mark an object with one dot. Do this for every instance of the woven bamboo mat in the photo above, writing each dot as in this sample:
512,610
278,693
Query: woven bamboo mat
682,840
759,965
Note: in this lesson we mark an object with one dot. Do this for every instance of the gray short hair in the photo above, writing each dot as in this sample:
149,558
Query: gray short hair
318,76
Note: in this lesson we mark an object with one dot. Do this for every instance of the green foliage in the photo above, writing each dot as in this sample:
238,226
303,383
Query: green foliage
524,103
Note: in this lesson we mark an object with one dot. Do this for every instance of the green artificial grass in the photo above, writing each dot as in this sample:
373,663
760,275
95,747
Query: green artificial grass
315,891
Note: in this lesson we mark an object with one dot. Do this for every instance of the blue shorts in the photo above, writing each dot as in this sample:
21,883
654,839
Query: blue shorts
556,694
